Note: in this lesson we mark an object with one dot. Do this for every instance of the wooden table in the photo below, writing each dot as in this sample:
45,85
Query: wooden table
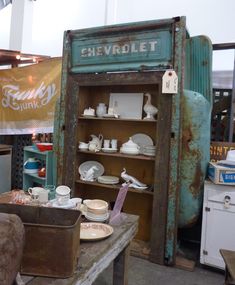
229,259
96,256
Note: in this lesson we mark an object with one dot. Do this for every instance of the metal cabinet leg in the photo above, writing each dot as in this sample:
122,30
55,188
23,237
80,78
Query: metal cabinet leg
120,267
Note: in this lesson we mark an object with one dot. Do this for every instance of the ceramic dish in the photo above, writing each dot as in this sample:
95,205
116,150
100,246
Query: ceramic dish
95,231
85,166
88,115
70,205
129,151
30,171
105,179
44,146
109,149
96,218
149,154
142,140
108,116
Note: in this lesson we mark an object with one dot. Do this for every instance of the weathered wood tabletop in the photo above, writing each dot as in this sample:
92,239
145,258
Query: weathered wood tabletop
229,259
96,256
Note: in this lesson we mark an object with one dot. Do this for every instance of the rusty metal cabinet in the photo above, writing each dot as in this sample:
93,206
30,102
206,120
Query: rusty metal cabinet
133,58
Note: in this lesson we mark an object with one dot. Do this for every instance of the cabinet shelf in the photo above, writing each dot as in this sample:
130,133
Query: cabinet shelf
116,119
114,187
35,176
46,157
118,154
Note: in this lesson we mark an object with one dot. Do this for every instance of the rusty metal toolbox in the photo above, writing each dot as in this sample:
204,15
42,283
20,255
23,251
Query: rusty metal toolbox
52,239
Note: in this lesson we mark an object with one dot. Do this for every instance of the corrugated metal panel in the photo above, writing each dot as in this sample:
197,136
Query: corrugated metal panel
199,66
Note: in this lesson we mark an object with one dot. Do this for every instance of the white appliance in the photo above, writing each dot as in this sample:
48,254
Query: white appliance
5,168
218,223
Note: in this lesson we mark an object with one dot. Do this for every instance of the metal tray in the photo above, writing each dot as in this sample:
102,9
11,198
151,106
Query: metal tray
52,239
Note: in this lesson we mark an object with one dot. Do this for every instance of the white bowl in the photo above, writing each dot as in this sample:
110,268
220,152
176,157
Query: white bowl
63,190
96,206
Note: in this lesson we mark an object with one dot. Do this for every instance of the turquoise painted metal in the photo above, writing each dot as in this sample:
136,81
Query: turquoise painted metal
195,128
194,157
100,49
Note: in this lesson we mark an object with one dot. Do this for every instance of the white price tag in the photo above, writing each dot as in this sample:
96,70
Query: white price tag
170,82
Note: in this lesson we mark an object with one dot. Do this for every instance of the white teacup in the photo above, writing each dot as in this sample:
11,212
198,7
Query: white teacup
63,194
34,190
39,192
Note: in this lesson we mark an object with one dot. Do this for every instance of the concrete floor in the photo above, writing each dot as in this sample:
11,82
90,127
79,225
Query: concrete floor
143,272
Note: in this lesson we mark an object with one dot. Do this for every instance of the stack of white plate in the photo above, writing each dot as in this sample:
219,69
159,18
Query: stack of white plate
96,210
106,179
149,150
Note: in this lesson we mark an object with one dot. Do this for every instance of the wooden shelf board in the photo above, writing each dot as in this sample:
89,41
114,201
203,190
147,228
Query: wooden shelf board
118,154
34,175
114,186
116,119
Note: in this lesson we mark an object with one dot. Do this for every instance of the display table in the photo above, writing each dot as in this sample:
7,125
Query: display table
96,256
229,259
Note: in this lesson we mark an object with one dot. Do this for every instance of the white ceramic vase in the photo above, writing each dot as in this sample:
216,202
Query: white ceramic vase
101,109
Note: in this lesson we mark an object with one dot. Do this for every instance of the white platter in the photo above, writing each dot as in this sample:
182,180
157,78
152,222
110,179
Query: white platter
142,140
109,149
95,231
96,219
106,179
128,105
85,166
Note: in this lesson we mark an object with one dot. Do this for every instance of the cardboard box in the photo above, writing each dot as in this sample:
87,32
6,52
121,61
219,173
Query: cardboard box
220,174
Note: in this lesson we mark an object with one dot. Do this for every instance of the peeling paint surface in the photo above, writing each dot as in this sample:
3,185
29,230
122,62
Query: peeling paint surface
194,156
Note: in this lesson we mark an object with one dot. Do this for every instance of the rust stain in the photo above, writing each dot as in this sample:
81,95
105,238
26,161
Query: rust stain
196,183
187,137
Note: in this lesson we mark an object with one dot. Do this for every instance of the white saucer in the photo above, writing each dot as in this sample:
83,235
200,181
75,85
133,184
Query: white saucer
106,179
88,115
97,219
108,116
149,154
71,204
109,149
